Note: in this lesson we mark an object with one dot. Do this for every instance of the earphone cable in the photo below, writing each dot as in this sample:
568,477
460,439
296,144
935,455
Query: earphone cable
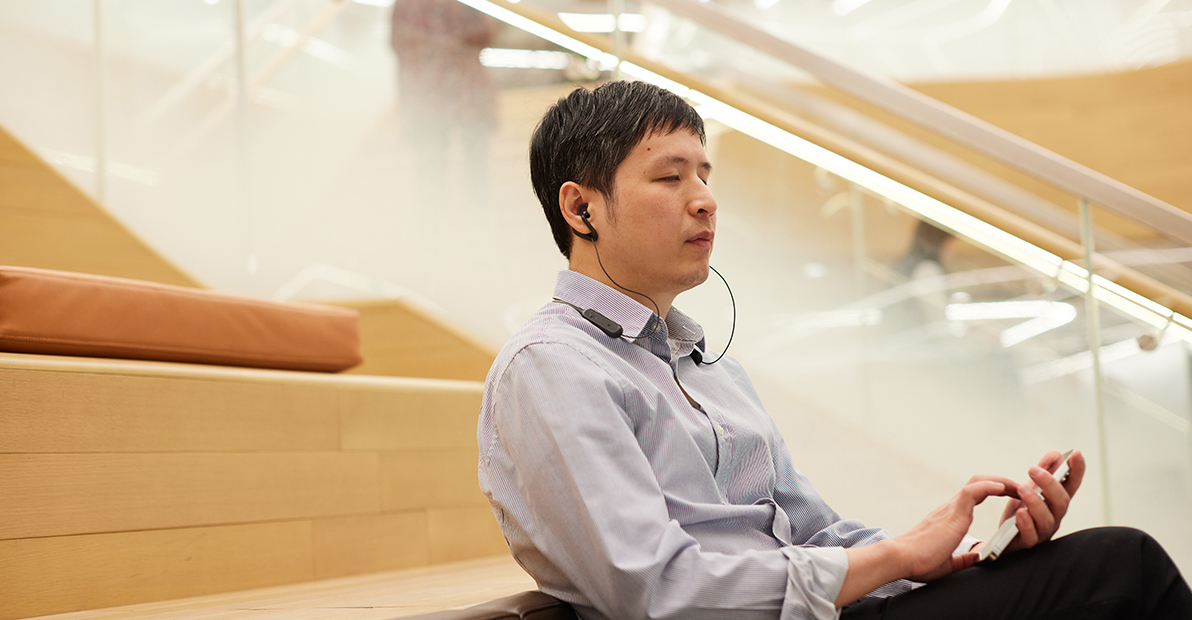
610,279
733,332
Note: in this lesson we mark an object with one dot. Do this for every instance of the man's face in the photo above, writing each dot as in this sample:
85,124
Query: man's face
664,216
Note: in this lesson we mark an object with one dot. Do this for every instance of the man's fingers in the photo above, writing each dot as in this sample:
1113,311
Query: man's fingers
962,561
1028,536
1076,468
1051,488
1051,460
986,478
977,490
1041,521
994,485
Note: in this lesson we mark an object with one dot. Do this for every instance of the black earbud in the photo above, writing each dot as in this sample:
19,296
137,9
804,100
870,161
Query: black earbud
591,234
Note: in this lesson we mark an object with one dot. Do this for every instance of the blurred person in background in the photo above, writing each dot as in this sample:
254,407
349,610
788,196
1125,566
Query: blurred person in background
923,267
443,87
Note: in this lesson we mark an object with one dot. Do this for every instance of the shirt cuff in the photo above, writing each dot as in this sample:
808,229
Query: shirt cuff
815,576
966,545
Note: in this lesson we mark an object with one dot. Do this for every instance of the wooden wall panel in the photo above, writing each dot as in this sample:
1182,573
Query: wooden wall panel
13,152
82,243
400,340
1121,124
53,575
38,188
413,419
60,494
372,543
45,411
463,533
416,479
1132,127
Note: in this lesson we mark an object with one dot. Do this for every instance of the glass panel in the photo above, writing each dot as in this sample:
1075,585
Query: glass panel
173,144
876,341
1147,411
47,55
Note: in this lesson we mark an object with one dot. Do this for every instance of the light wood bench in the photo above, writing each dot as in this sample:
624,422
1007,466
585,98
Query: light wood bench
377,596
125,482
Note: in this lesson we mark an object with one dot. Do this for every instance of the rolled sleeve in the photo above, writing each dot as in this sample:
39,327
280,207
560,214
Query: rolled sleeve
814,579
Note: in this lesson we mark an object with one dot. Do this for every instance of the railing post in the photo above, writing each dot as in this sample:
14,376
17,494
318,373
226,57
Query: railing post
616,8
1093,320
101,138
860,259
242,177
860,280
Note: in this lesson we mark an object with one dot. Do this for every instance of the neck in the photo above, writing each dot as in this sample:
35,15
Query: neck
587,264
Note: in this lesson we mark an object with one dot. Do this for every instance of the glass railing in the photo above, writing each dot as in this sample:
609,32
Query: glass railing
920,312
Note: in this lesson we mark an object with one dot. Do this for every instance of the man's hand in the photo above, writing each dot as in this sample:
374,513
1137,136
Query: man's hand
925,552
927,548
1038,520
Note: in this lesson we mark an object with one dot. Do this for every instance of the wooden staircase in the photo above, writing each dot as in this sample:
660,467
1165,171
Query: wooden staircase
126,482
123,482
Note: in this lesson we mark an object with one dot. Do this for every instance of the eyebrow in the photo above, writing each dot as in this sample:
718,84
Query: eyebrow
682,161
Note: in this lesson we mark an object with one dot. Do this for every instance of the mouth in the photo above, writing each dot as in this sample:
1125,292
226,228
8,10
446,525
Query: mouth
703,239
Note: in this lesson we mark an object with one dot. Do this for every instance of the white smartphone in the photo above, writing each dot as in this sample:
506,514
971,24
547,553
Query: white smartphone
1001,539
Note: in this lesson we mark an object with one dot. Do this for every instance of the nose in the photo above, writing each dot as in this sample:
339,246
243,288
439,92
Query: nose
703,204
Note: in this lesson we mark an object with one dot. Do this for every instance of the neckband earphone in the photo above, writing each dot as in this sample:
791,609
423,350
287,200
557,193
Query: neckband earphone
613,329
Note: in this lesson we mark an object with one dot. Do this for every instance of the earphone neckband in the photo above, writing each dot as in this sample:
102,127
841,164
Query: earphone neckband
613,329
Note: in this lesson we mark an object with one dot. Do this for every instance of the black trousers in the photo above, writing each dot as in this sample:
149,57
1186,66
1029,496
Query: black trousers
1110,573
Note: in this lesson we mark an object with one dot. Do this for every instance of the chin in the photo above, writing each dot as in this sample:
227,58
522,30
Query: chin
695,278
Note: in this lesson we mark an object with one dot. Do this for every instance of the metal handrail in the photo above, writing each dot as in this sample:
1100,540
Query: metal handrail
950,123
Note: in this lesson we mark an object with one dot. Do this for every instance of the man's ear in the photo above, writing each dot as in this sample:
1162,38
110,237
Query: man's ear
573,200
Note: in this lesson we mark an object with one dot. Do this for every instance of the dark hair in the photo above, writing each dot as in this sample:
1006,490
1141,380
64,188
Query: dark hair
587,134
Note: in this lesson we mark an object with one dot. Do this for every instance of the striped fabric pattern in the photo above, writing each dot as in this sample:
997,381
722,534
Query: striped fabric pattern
620,497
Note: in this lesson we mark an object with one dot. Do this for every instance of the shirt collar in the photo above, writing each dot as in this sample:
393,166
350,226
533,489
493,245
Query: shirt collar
684,333
669,340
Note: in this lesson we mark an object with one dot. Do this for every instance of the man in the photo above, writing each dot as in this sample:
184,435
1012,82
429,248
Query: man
636,474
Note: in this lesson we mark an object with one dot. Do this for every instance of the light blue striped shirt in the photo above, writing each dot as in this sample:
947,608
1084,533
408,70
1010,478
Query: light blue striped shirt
621,498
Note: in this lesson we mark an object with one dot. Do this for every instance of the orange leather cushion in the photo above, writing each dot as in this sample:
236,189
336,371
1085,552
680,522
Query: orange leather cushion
60,313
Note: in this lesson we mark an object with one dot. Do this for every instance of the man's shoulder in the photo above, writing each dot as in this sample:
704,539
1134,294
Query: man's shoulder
556,328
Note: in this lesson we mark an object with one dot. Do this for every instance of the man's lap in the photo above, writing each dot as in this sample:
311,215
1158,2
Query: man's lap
1096,573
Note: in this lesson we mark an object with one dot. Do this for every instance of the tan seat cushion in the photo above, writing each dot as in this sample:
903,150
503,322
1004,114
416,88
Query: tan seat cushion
61,313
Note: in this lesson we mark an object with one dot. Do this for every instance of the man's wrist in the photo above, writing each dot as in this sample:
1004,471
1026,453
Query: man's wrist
871,567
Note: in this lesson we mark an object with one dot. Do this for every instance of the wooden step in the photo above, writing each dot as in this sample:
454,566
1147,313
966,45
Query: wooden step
123,482
377,596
